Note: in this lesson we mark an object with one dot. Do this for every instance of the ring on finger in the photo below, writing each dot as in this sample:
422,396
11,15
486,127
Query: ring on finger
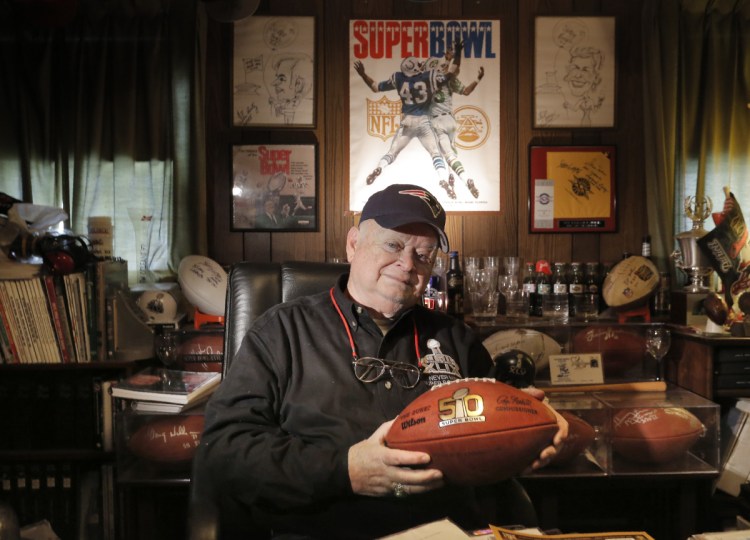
399,490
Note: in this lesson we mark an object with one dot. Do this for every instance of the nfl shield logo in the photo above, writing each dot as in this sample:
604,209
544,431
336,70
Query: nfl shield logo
383,117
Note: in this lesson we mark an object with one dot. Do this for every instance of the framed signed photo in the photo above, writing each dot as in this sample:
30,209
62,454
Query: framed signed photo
274,187
574,72
273,72
572,189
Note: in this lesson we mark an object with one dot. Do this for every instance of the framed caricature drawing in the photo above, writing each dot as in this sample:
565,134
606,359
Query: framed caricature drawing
274,187
574,72
273,72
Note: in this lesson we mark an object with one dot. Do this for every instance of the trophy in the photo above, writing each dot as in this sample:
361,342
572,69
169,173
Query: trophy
688,257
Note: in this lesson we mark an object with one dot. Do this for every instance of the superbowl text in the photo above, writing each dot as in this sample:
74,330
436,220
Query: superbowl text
399,39
273,161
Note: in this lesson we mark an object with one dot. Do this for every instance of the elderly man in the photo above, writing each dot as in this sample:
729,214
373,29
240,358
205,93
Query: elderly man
294,436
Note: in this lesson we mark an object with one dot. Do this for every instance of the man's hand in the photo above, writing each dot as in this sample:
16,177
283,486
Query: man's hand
480,74
557,441
374,469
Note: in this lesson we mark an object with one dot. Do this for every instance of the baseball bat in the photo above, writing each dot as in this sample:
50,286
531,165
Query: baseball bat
641,386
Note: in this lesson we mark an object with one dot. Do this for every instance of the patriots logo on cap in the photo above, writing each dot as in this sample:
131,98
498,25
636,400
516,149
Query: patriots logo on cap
427,197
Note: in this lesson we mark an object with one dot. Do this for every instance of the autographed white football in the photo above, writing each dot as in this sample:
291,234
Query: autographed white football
204,283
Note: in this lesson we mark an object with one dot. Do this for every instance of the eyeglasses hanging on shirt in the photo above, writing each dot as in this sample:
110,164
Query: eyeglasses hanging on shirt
369,369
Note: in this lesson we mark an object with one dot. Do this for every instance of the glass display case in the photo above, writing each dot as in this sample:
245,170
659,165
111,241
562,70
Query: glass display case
156,447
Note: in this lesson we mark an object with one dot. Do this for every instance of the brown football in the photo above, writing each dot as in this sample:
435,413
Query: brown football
167,438
621,349
477,431
654,434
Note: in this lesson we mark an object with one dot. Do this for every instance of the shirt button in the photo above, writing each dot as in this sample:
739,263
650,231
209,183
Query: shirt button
354,323
388,385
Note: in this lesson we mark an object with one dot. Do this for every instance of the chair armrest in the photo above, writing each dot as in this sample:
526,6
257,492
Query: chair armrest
203,520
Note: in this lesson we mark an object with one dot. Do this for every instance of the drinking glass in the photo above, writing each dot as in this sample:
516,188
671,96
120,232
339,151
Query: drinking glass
484,305
658,341
517,304
555,307
471,263
440,267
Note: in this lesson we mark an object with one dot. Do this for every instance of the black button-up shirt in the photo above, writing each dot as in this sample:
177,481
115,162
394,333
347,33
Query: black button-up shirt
279,427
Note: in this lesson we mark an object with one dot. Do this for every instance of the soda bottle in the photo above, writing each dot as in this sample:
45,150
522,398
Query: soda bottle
559,280
543,285
529,285
455,284
575,287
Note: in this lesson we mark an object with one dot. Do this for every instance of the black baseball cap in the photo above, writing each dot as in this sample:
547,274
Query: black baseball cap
402,204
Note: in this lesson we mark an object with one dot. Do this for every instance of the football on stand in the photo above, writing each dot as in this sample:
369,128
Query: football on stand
581,435
167,439
630,283
204,284
201,351
477,431
654,435
621,349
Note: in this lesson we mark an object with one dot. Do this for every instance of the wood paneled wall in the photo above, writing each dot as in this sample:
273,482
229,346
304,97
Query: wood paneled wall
499,233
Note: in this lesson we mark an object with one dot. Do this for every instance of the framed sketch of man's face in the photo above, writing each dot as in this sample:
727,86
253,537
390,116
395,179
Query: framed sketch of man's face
273,72
574,72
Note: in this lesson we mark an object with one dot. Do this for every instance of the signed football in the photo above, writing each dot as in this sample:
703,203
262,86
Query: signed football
167,439
204,283
477,431
630,283
621,349
654,434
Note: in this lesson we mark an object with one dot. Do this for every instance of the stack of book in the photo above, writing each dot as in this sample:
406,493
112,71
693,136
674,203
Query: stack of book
52,318
162,390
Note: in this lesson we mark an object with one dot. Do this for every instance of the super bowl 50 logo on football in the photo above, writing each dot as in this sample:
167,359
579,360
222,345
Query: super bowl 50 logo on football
460,408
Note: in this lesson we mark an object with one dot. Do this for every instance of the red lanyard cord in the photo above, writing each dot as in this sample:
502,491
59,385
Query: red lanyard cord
355,356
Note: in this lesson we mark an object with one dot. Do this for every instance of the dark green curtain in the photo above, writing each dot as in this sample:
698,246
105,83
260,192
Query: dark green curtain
697,110
101,114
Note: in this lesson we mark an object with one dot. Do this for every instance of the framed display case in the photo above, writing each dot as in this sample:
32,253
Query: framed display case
572,189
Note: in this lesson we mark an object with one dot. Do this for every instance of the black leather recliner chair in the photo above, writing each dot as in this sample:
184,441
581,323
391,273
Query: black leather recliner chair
251,290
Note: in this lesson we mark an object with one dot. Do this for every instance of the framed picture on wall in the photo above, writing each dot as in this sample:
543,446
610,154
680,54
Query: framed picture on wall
574,72
403,88
274,187
572,189
273,72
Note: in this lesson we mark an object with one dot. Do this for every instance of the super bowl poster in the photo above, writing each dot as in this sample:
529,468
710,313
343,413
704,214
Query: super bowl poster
424,108
274,187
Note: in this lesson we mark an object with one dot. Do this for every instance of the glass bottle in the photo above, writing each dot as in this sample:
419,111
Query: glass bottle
559,279
543,285
575,287
429,298
646,246
662,300
529,285
455,285
591,277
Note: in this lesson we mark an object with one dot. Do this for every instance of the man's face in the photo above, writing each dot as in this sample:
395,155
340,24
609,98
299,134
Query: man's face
284,83
580,75
390,267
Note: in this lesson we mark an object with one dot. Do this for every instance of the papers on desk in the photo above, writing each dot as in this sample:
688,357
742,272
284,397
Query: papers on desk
445,529
507,534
